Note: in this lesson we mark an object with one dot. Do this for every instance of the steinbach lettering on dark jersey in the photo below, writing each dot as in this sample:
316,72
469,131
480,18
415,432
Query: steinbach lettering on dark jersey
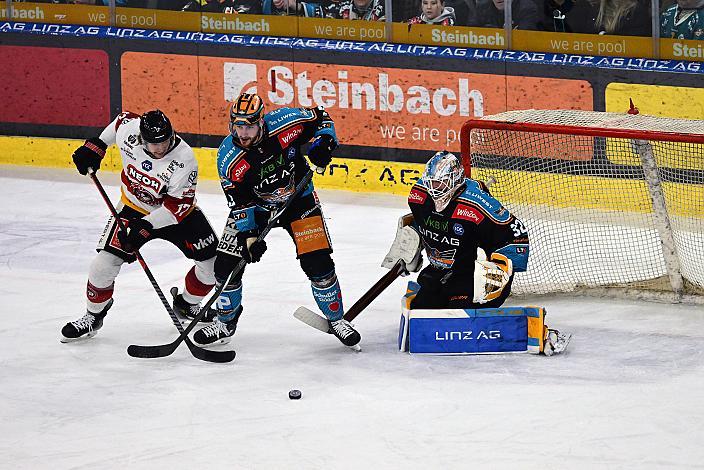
267,173
472,219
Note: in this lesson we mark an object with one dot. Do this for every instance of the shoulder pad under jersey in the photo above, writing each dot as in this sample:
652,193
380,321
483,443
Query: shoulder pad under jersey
418,194
283,118
125,117
489,205
231,164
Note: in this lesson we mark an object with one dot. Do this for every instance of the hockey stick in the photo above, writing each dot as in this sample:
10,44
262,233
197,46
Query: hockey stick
163,350
198,352
319,322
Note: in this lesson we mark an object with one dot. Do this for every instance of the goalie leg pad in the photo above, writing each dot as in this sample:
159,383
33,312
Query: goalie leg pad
472,331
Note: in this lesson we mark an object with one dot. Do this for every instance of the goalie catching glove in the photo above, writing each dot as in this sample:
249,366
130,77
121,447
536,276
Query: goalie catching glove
490,276
406,246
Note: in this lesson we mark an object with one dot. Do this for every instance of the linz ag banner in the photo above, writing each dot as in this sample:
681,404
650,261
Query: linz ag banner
376,107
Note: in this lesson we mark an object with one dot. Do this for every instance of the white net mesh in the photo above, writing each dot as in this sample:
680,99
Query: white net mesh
601,211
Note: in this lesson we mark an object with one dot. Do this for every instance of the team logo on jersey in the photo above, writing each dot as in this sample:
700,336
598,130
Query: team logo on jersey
239,170
291,153
143,179
147,165
467,213
289,135
417,196
458,229
132,139
443,259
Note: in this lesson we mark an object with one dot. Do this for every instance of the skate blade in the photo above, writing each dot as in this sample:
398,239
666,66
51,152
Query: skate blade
65,340
355,348
219,342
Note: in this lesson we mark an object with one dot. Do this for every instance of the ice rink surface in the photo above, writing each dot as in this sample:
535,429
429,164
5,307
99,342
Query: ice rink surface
629,392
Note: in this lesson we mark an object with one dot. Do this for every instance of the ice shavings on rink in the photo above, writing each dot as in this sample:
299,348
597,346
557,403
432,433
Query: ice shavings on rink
629,392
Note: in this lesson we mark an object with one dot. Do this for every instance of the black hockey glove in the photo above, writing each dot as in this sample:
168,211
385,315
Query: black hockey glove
138,233
89,155
250,249
320,152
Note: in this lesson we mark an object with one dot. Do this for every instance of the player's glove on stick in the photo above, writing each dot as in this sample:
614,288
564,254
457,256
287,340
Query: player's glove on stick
320,153
138,233
89,155
249,248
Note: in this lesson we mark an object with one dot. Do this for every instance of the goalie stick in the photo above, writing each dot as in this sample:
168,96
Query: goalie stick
163,350
198,352
319,322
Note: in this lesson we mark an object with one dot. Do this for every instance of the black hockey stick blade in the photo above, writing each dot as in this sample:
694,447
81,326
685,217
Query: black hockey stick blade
151,352
164,350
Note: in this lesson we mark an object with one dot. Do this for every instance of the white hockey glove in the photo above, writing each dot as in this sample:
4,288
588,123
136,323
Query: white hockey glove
406,247
490,277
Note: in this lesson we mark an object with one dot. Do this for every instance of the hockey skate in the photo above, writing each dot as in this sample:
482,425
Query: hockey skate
187,312
85,327
343,330
218,332
556,342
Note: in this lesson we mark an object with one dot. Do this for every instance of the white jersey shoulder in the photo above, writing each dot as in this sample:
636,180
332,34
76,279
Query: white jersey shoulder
149,183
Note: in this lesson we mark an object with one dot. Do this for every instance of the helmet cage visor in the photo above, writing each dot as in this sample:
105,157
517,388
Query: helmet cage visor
442,177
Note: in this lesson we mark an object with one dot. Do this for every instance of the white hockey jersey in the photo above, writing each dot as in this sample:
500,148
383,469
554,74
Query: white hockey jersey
163,189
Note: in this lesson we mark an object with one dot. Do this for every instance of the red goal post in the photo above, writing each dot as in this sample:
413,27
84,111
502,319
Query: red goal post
613,202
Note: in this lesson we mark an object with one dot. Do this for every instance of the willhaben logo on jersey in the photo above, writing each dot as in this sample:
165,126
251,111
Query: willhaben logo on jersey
239,170
289,135
239,78
143,179
416,196
467,213
383,93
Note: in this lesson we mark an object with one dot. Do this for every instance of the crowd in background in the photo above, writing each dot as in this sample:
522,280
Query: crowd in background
683,19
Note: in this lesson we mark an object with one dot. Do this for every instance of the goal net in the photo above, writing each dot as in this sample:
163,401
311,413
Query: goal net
611,201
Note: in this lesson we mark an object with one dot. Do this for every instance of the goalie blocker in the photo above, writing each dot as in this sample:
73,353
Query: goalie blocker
476,331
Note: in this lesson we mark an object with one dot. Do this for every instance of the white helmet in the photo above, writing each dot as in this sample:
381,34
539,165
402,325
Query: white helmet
442,177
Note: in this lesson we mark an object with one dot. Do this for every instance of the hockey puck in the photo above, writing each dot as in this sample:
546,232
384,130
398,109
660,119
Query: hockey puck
294,394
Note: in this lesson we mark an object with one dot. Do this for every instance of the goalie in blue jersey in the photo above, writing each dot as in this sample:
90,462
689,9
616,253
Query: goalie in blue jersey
260,164
473,243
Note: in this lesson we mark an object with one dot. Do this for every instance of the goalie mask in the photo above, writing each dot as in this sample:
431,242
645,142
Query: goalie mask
442,177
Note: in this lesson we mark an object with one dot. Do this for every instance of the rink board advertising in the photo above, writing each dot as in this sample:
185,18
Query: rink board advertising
391,102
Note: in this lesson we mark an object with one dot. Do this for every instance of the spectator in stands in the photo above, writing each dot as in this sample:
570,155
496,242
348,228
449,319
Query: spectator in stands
490,14
367,10
683,20
624,18
434,12
568,16
249,7
292,8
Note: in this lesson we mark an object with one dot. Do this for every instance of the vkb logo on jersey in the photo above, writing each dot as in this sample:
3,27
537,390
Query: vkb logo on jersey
146,165
458,229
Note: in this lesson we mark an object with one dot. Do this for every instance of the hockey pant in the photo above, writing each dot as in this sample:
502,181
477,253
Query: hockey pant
305,225
193,236
446,289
